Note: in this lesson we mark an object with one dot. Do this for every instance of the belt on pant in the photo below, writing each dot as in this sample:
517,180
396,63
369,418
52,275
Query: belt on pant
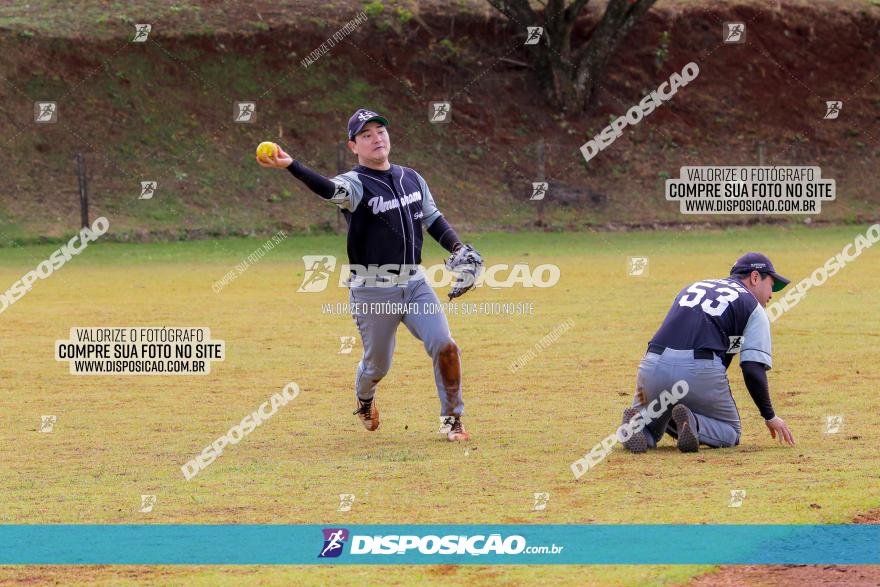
393,276
698,353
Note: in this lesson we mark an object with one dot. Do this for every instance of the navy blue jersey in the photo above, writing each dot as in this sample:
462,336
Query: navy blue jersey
719,315
385,211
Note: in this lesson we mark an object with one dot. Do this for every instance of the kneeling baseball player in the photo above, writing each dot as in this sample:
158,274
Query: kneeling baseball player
710,321
386,206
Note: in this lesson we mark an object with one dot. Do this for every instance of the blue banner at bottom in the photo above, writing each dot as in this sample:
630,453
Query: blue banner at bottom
155,544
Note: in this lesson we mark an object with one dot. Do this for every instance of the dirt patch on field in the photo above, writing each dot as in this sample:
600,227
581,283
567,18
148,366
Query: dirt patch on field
791,575
797,575
872,517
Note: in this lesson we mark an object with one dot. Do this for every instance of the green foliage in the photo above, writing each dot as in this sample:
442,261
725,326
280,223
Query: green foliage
374,9
661,54
449,50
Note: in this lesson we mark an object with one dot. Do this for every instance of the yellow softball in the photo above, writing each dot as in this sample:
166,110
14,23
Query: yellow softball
266,150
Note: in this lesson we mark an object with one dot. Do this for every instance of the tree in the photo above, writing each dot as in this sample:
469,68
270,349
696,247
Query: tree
572,74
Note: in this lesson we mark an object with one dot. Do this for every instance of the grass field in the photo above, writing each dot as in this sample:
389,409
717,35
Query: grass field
118,437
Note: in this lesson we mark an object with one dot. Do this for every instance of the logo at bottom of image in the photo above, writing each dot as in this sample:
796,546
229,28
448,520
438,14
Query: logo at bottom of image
336,538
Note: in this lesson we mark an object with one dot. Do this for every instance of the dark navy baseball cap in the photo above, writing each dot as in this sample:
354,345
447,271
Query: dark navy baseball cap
758,262
360,118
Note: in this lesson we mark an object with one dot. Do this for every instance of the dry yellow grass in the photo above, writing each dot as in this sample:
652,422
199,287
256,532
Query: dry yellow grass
118,437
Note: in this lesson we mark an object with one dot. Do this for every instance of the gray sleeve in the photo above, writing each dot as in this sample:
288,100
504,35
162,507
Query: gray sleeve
349,191
756,339
430,213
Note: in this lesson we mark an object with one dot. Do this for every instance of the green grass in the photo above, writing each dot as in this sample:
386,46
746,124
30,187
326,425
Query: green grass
119,437
9,230
520,245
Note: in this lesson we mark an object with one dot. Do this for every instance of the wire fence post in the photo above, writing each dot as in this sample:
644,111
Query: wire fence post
540,147
83,190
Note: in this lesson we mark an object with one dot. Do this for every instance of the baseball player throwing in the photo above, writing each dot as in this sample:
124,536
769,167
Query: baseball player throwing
386,206
710,321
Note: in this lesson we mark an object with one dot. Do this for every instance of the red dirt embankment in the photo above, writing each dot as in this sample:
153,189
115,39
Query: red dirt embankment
162,111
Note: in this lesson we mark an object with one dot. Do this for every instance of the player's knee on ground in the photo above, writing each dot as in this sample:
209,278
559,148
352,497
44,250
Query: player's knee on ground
723,443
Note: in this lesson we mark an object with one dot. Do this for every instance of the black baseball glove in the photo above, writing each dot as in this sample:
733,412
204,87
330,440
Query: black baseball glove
467,264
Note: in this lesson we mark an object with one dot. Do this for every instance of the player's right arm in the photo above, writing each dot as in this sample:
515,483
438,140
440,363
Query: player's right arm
343,190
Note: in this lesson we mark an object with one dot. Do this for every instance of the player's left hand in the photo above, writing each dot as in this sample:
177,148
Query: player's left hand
778,428
468,263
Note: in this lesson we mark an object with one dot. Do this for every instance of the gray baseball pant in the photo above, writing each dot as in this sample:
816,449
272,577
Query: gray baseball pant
708,396
425,320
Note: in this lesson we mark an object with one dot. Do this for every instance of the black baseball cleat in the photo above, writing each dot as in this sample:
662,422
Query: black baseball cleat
638,441
368,413
686,427
457,431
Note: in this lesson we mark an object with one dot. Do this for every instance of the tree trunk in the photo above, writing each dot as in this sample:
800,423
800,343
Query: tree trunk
558,53
619,19
556,71
571,77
